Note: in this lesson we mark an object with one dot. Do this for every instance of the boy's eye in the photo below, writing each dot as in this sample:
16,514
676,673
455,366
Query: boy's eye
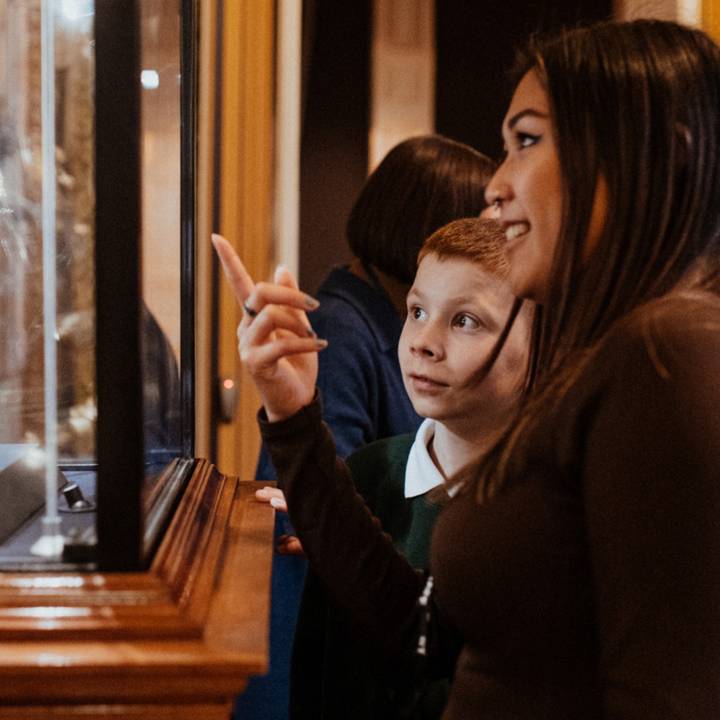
466,322
417,313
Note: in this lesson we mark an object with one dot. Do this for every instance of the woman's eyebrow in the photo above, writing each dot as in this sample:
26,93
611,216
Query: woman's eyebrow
524,113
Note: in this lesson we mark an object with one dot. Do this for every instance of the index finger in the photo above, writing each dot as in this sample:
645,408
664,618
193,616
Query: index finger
235,272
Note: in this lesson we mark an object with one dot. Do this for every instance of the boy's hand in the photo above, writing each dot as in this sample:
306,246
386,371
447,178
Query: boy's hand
287,544
275,340
290,545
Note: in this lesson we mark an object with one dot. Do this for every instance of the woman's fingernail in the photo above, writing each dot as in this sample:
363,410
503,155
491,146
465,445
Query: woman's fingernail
311,333
311,302
321,343
276,502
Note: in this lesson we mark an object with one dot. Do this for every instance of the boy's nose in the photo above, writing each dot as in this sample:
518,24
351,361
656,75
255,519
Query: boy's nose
427,345
424,350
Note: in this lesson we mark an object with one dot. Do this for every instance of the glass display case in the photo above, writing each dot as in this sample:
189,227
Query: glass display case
97,466
97,164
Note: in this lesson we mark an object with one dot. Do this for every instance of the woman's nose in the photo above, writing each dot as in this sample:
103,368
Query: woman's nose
498,190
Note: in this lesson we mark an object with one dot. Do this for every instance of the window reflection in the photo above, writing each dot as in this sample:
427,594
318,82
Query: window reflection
21,172
22,420
160,105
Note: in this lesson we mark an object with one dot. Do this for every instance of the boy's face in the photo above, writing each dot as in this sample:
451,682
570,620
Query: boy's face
456,311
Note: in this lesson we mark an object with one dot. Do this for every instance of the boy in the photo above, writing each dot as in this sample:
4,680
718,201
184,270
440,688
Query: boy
457,309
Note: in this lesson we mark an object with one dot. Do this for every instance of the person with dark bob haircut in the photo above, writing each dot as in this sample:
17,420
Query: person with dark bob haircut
580,562
422,184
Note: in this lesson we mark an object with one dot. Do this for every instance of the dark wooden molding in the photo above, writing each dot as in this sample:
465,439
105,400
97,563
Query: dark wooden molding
188,632
120,422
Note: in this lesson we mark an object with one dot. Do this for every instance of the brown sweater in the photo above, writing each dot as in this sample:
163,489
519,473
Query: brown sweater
589,587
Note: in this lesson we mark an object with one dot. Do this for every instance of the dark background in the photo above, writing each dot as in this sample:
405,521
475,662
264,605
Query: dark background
476,42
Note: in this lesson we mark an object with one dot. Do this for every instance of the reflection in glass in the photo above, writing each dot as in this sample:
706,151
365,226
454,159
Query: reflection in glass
25,445
21,172
161,137
69,159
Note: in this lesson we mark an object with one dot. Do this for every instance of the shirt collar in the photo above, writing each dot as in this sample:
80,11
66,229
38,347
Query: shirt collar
421,474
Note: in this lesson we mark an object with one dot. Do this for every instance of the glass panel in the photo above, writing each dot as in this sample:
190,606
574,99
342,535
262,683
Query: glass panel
160,42
46,315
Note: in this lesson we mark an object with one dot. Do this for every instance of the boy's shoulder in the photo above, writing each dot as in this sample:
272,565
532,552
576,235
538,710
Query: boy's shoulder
388,452
379,467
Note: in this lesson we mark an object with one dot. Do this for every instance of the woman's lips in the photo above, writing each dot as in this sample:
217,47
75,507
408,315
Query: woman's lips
515,230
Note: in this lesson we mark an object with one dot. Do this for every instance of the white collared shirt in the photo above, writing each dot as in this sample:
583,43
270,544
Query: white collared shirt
421,473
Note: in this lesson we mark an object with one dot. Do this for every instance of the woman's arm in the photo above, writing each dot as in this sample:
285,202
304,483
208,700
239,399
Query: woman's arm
345,545
343,541
652,488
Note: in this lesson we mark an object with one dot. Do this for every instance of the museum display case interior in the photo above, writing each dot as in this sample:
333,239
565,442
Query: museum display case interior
134,576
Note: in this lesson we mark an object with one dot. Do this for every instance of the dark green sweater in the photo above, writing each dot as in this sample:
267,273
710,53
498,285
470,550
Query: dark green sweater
334,672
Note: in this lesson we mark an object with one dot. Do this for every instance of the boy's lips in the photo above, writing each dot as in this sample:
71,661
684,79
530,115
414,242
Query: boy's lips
423,382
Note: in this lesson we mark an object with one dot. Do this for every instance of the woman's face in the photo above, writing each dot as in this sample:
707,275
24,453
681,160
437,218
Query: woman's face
528,185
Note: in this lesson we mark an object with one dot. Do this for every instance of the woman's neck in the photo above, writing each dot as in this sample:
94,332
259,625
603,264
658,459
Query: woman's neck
397,291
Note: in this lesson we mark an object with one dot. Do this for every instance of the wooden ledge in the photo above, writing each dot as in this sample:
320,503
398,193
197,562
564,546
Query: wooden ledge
191,629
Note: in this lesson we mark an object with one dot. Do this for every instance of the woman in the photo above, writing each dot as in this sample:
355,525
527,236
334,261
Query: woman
581,565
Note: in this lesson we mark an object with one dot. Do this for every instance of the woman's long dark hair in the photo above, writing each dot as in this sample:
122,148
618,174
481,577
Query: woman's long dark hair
635,106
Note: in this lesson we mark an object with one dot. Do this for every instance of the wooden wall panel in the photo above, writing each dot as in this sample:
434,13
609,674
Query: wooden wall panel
711,18
207,78
245,200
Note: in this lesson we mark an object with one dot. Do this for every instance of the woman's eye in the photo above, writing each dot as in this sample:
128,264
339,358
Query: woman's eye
417,313
526,139
466,322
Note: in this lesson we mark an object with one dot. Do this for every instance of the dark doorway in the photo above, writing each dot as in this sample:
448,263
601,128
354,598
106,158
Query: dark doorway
476,42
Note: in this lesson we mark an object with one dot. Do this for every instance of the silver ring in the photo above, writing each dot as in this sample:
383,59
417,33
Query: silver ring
250,312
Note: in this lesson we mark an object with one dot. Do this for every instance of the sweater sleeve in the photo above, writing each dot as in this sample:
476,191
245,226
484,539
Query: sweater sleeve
348,380
345,545
652,499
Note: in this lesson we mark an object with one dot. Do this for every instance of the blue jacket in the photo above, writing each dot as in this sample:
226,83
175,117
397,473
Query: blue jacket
359,375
